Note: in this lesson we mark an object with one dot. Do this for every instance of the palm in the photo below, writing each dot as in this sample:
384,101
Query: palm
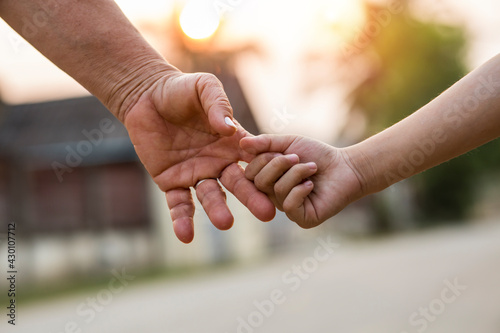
172,127
179,151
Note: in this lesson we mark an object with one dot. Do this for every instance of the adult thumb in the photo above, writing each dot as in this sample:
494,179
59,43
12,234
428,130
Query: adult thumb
216,105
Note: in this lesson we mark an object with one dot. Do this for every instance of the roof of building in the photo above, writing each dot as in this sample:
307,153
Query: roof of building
42,133
46,132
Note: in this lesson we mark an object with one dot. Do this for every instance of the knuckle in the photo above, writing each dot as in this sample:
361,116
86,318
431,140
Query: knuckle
249,174
280,162
265,159
208,79
279,189
258,163
223,101
304,224
288,206
213,196
230,173
299,171
180,210
261,184
258,182
241,190
252,170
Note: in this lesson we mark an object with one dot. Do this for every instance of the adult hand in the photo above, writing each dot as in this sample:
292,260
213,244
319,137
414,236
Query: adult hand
176,121
183,131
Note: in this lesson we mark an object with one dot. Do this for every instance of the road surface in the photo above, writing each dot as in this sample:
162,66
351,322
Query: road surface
445,280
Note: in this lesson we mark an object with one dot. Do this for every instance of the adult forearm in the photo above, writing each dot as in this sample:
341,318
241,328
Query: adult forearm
464,117
93,42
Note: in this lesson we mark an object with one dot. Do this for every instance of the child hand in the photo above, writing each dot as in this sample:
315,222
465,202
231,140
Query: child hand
284,180
311,182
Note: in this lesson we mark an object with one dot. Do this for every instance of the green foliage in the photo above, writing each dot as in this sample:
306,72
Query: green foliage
411,62
445,193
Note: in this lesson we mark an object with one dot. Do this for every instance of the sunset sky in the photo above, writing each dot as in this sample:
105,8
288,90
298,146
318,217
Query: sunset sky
286,30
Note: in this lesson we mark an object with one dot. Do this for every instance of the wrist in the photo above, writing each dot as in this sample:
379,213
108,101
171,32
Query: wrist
365,168
132,82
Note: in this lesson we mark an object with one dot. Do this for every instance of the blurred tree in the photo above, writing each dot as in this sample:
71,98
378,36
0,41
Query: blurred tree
409,63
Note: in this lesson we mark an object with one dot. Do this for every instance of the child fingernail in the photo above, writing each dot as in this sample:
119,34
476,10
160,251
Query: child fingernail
312,165
294,158
308,183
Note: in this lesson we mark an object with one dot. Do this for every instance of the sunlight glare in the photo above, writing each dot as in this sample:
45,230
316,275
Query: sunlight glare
344,13
199,19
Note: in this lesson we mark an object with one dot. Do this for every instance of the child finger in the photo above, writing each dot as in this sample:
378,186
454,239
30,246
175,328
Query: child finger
294,202
293,177
258,163
267,177
267,142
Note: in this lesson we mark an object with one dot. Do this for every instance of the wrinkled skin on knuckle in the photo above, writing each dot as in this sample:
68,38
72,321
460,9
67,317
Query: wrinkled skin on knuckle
306,224
209,81
279,190
287,207
262,185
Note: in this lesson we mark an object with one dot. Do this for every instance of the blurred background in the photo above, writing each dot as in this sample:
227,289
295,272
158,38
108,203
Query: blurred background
96,251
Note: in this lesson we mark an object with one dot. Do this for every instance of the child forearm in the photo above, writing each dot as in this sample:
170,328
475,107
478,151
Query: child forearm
462,118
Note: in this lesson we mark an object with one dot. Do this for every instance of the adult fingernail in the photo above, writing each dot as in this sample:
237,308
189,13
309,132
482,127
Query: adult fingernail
229,122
